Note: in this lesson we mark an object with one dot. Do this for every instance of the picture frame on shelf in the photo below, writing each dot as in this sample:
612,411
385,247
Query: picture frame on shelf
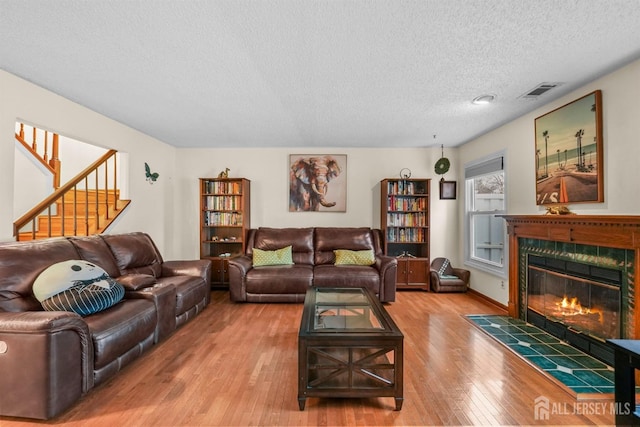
317,183
448,190
569,153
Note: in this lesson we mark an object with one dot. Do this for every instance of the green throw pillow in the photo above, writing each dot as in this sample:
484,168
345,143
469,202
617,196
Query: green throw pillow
277,257
347,257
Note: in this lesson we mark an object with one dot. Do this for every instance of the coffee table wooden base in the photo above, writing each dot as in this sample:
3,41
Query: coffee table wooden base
367,367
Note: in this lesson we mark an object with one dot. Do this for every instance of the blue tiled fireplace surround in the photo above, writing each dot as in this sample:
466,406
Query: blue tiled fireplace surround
600,256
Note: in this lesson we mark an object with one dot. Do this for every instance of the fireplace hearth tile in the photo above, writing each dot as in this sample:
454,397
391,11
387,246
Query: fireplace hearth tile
542,362
583,375
565,349
564,369
523,350
566,362
546,350
528,338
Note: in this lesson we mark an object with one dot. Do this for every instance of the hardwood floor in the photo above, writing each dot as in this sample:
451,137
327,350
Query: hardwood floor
236,365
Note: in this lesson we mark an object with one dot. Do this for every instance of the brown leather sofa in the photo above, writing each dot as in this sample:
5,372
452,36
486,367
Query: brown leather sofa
49,359
313,257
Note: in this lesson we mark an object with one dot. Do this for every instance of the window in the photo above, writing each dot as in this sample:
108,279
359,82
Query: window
485,198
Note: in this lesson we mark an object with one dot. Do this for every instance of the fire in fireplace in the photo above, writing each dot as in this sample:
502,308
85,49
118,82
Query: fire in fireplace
574,301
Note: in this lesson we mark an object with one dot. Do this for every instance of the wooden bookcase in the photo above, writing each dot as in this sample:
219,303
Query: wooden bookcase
404,220
224,220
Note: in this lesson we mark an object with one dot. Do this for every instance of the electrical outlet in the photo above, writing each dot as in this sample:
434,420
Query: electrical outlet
502,284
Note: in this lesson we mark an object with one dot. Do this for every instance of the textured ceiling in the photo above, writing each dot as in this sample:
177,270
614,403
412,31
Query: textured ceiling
314,73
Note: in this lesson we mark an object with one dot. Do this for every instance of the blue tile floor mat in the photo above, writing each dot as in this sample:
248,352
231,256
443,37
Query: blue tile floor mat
583,375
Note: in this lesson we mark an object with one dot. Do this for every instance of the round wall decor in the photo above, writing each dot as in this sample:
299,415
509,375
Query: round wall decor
442,166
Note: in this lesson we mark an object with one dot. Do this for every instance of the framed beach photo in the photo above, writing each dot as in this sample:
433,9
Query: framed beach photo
317,183
568,153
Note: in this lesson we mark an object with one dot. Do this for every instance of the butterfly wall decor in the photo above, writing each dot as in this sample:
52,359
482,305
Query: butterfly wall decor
151,177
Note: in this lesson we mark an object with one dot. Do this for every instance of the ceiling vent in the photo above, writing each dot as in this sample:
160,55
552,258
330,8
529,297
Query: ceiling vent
539,90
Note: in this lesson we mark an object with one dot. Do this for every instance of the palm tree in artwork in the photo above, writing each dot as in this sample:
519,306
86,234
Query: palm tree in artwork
579,136
538,163
545,135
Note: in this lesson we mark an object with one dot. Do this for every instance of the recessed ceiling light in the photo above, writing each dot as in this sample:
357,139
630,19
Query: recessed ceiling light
484,99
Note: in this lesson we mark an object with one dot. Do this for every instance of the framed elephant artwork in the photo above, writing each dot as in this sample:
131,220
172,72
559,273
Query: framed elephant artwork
317,182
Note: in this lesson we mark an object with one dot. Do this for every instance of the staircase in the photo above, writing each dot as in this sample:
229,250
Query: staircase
85,205
78,213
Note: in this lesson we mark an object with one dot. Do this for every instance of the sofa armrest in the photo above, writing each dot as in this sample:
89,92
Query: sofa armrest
434,280
197,267
238,268
47,361
462,274
163,296
388,268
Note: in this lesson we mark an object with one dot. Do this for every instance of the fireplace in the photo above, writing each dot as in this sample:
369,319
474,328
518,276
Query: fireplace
574,276
583,297
576,302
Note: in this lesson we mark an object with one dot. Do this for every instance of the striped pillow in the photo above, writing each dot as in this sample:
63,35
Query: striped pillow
77,286
85,300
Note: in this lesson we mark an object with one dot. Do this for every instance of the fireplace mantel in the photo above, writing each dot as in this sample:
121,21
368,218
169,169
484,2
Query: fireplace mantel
615,231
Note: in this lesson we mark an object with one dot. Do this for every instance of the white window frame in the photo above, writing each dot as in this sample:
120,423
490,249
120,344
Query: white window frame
488,165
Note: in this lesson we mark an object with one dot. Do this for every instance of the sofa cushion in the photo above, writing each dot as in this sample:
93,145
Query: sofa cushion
135,253
346,276
347,257
300,239
118,329
95,250
190,290
283,279
328,239
277,257
77,286
134,282
20,265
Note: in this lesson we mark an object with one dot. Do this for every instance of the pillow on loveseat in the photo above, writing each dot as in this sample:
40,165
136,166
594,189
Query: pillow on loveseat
444,269
347,257
278,257
77,286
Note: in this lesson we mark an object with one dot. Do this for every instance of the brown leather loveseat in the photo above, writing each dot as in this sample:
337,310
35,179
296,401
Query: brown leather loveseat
49,359
313,264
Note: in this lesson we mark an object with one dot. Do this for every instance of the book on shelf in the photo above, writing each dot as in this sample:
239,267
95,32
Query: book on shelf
223,202
405,235
223,187
222,218
412,219
404,187
406,203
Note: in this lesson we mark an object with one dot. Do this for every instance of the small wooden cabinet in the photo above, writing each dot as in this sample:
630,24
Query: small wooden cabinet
405,216
224,220
413,272
219,271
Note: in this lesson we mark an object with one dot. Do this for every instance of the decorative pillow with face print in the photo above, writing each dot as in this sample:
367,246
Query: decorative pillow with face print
77,286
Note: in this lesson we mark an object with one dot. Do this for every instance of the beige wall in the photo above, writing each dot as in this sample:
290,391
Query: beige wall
268,172
621,134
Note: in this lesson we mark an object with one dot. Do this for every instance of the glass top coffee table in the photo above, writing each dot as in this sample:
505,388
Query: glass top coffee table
348,346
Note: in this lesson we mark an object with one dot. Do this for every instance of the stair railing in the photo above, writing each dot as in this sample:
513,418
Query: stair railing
50,205
51,164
